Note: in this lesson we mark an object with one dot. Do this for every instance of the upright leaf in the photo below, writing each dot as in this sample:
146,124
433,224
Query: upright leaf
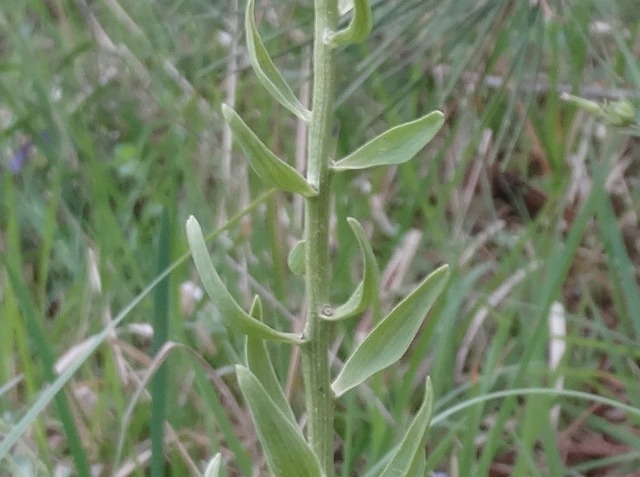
259,362
367,291
213,468
234,316
395,146
295,260
269,167
391,338
344,6
409,456
287,453
358,29
266,71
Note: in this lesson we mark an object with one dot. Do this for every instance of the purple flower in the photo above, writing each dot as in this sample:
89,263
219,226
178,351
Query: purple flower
19,159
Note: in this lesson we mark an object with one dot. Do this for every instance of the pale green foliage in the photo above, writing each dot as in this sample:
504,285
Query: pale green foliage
389,340
259,363
286,450
395,146
358,29
267,72
269,167
213,468
234,316
367,291
619,113
295,259
409,452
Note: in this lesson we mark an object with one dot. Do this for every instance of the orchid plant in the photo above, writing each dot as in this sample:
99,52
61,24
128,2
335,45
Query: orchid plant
288,451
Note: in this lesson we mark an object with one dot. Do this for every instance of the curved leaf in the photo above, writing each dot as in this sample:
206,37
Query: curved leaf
367,291
213,468
395,146
390,339
266,71
233,316
344,6
269,167
259,362
410,453
287,453
295,260
358,29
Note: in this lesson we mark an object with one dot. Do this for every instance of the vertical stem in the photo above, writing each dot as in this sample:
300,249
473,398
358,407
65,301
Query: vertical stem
315,363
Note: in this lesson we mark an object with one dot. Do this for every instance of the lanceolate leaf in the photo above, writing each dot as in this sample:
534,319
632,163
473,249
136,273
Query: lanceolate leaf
269,167
213,468
395,146
266,71
344,6
259,362
410,453
358,29
234,316
287,453
295,260
367,291
419,464
389,340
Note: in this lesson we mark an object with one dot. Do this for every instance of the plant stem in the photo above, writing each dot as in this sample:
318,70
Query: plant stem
316,373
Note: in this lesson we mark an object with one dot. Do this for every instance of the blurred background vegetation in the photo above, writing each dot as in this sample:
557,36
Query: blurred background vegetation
111,135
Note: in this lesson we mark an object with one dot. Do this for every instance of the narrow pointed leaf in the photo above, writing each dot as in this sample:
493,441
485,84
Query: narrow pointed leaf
269,167
344,6
368,290
419,464
295,260
233,316
358,29
390,339
266,71
395,146
287,453
409,455
213,468
259,362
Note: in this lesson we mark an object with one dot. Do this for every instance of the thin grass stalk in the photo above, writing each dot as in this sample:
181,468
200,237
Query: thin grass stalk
160,336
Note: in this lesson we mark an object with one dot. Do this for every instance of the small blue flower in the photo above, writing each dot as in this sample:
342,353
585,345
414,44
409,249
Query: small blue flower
20,158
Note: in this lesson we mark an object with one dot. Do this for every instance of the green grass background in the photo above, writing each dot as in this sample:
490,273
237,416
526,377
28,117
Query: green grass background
118,106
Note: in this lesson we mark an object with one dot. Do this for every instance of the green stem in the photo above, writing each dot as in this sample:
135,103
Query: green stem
316,372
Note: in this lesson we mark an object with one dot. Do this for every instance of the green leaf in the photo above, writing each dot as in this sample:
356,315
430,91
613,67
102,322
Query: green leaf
358,29
419,464
391,338
233,316
344,6
409,455
287,453
213,468
367,291
259,362
295,260
395,146
266,71
269,167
